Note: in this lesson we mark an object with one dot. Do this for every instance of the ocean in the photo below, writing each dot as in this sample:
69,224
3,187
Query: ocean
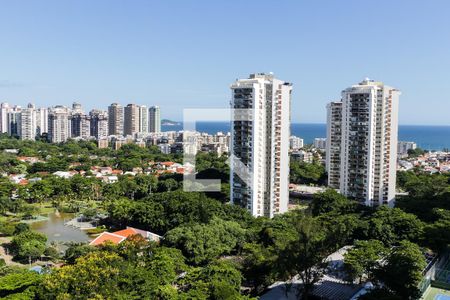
426,137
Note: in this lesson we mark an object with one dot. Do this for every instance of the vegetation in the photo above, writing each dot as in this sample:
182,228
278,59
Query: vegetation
416,152
307,173
211,249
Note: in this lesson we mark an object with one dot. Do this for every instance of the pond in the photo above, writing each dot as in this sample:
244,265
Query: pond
56,231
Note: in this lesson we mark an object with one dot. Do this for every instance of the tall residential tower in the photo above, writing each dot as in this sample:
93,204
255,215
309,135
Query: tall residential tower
260,142
154,118
131,120
99,123
28,123
59,125
362,143
143,118
115,119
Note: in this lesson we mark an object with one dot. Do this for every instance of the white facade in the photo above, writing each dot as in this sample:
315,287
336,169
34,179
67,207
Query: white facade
143,118
368,145
28,126
13,121
295,143
99,123
4,109
261,143
303,156
154,119
41,121
320,143
80,125
77,108
59,126
404,147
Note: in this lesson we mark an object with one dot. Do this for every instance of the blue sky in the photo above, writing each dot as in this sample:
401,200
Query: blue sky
184,54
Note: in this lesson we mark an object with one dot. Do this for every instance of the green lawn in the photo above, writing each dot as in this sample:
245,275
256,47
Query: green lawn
45,208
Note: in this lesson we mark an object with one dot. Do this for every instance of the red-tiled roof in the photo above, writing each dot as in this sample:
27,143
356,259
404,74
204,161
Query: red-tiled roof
23,182
121,235
126,232
107,237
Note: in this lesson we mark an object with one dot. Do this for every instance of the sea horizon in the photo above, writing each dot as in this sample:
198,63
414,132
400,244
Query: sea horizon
427,137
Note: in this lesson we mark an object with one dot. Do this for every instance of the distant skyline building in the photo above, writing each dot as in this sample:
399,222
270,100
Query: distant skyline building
368,142
143,118
115,119
99,123
59,124
333,147
320,143
131,124
154,119
295,143
138,121
404,147
4,108
28,123
80,125
260,142
41,121
77,108
13,121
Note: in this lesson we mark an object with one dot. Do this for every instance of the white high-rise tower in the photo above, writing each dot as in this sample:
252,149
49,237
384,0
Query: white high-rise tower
362,143
28,123
59,125
143,118
261,143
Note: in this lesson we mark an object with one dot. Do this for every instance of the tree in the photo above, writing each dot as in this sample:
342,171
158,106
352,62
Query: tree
437,235
5,204
201,243
167,185
94,275
76,250
146,185
402,272
218,280
391,225
18,284
167,264
329,201
364,259
306,255
21,227
6,187
40,191
32,249
29,244
307,173
266,239
415,152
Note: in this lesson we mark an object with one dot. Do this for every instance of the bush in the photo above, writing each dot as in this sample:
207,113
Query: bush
51,252
7,228
21,227
29,244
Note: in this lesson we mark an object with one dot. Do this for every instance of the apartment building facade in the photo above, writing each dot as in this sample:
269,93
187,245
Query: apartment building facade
260,142
368,143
